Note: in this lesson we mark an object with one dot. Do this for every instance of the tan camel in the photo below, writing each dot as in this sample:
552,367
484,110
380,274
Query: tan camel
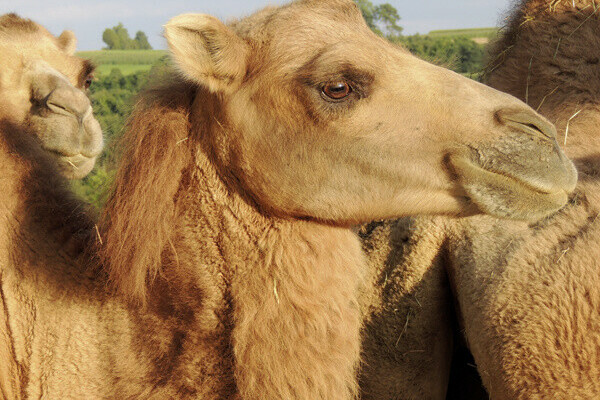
227,235
528,294
42,86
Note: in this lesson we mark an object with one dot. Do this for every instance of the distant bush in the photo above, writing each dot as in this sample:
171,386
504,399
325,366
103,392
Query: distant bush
115,57
112,99
489,33
458,53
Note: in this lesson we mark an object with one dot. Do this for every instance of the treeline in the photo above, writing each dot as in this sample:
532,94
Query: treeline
459,53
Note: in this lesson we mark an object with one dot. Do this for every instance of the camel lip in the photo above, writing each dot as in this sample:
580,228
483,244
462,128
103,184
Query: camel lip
76,167
528,184
73,157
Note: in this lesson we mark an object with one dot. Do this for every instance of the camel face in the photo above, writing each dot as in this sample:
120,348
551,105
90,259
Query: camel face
42,86
363,130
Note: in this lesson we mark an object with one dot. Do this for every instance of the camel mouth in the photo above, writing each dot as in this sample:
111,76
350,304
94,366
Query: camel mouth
74,167
504,195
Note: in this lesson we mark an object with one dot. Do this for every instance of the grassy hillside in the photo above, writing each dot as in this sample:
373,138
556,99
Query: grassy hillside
128,61
489,33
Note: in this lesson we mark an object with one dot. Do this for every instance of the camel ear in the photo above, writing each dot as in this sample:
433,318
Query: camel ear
68,42
207,51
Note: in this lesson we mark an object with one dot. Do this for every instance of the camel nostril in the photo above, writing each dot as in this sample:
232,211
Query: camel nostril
536,128
528,122
60,109
67,101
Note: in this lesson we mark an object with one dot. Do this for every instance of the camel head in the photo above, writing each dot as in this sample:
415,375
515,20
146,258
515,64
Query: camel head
43,87
317,117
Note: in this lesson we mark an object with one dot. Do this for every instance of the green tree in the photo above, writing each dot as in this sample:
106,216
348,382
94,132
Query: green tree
142,41
111,39
117,38
123,35
382,18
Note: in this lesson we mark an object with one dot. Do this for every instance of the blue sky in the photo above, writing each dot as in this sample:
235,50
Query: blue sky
89,18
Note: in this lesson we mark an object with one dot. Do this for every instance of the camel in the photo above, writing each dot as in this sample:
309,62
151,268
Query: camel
527,293
42,87
224,264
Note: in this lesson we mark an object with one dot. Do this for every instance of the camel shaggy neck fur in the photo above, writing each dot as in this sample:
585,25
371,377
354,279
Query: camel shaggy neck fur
223,265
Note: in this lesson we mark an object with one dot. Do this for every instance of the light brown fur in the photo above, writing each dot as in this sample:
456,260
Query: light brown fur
223,265
527,293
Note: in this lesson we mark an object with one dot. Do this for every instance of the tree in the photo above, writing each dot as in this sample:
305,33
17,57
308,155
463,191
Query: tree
111,39
142,40
123,35
117,38
382,19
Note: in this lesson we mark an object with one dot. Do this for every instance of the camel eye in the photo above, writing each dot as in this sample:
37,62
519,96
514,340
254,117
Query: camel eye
88,81
337,90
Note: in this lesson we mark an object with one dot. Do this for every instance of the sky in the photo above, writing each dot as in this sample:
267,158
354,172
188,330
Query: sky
89,18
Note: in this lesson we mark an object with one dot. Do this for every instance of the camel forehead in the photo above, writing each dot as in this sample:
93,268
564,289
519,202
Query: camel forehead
24,43
305,30
17,30
277,20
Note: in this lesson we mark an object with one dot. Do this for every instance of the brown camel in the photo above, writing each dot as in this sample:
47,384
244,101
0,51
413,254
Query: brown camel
528,294
227,236
42,87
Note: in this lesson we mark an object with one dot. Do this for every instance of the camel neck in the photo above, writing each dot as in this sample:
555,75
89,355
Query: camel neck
37,203
291,286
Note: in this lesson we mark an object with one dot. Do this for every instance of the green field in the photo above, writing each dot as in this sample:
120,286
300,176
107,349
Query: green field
489,33
128,61
126,69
